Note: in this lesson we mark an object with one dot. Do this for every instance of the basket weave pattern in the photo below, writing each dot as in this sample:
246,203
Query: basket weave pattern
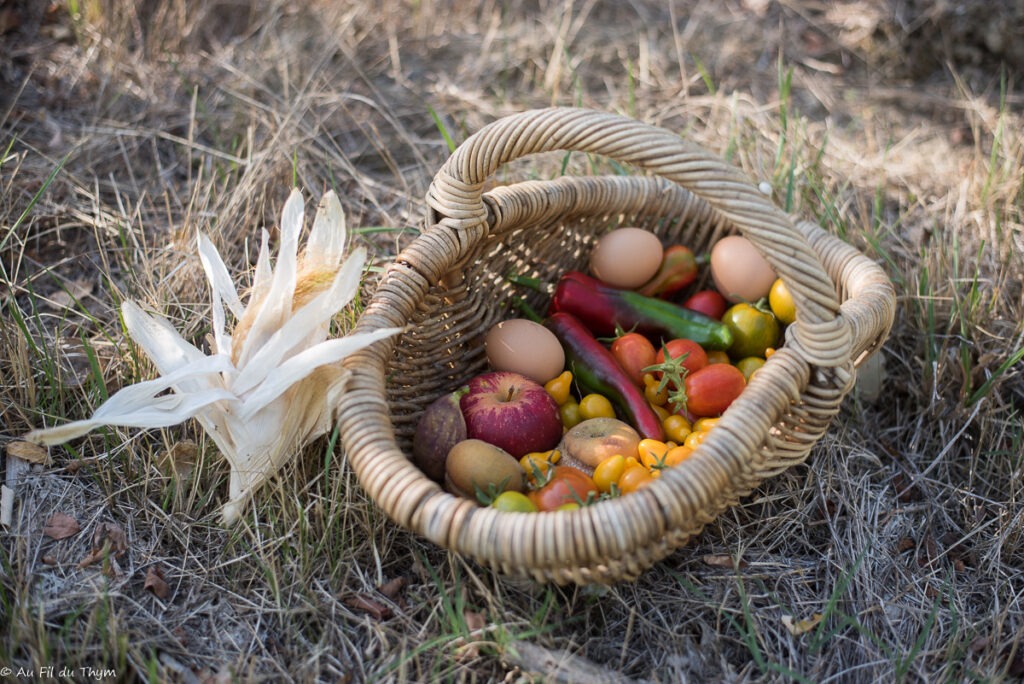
449,287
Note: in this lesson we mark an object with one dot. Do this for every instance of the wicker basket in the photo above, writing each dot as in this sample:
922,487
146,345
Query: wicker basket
449,287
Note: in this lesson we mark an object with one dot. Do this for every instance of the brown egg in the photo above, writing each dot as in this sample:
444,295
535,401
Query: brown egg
522,346
626,257
740,273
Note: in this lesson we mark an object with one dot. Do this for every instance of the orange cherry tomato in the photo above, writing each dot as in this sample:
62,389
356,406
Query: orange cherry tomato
608,472
677,455
652,452
634,478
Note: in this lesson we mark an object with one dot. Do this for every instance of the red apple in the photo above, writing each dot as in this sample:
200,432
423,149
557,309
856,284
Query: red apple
511,411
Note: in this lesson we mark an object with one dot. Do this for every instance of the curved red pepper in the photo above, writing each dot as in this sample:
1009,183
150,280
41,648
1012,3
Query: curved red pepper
596,370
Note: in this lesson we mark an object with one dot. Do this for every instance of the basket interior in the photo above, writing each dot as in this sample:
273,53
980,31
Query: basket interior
444,347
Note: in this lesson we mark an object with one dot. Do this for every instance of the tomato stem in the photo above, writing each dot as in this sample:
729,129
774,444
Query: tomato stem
673,372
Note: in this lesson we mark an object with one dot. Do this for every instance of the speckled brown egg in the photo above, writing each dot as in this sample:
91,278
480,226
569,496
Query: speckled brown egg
626,257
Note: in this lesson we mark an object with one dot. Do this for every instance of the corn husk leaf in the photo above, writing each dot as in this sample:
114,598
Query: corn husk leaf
272,384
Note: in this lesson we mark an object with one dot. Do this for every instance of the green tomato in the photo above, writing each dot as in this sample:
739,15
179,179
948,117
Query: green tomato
513,501
754,329
750,365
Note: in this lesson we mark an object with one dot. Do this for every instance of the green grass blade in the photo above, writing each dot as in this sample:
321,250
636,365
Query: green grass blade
35,199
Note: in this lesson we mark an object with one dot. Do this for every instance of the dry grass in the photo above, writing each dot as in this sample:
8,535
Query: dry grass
903,531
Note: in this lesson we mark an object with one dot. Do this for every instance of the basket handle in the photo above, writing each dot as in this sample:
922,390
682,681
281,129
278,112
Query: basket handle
456,198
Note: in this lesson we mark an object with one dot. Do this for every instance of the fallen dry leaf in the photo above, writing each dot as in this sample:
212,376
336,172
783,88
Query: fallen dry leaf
723,560
366,604
155,582
27,451
391,589
475,622
179,461
61,526
65,299
980,643
108,539
798,627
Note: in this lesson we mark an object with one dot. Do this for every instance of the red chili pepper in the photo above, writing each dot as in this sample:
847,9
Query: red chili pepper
602,308
678,269
596,370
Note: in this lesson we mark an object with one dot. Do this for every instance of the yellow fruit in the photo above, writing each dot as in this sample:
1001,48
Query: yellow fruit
596,406
781,302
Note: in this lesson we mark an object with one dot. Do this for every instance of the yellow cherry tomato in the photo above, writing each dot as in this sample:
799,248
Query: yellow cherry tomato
608,472
694,439
676,427
677,455
660,411
781,302
705,424
633,478
652,452
559,387
536,464
596,406
570,413
658,397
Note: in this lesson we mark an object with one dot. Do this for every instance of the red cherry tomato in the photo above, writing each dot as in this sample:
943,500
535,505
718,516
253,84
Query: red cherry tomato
708,302
692,355
566,485
710,390
634,352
